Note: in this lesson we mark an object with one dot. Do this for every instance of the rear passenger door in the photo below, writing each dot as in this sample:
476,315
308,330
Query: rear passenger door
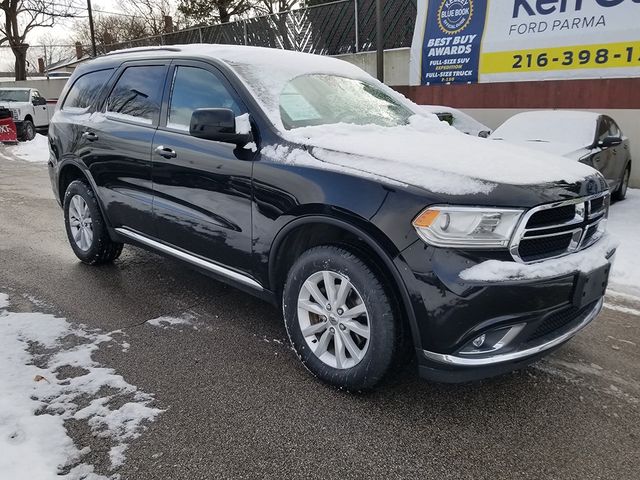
118,143
202,188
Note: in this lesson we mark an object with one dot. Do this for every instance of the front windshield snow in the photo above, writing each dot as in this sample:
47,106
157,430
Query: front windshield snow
328,99
14,95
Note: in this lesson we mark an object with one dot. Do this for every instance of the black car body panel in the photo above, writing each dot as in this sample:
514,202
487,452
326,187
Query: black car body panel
231,209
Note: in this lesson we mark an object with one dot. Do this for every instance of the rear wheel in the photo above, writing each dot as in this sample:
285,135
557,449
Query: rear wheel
621,192
339,318
86,228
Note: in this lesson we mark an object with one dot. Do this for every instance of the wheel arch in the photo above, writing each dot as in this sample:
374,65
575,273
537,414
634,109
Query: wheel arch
285,249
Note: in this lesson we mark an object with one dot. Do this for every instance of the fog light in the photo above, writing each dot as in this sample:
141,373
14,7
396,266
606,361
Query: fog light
478,342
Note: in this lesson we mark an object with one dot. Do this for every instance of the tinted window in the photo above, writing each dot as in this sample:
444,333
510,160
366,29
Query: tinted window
137,94
86,89
603,129
195,88
614,130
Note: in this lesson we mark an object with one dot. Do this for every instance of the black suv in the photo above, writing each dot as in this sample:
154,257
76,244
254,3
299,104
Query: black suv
306,182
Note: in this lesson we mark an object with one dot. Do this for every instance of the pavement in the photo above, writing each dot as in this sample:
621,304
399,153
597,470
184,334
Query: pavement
238,404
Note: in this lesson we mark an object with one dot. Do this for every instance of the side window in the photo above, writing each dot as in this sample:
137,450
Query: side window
603,128
35,95
137,94
85,90
194,88
614,130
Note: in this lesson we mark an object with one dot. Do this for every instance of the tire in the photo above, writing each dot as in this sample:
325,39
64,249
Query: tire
85,226
28,131
621,192
374,355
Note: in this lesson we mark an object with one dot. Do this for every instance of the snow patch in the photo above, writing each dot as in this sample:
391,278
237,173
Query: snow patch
35,400
243,124
623,223
186,319
584,261
35,151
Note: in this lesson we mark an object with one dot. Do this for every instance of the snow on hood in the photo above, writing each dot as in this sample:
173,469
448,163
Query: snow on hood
432,155
574,151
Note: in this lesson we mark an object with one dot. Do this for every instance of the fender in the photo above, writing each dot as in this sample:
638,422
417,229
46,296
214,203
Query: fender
87,174
388,261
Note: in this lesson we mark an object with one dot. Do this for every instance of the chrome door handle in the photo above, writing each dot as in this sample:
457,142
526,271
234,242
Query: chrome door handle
165,152
90,136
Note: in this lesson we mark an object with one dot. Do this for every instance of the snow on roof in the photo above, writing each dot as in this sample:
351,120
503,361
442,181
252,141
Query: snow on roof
555,126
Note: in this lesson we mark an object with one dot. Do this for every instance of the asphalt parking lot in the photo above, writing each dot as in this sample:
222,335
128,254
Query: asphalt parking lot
238,404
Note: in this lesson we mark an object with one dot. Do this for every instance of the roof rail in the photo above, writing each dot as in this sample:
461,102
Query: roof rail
142,49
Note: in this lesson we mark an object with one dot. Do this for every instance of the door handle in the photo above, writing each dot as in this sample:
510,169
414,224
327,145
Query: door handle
90,136
166,152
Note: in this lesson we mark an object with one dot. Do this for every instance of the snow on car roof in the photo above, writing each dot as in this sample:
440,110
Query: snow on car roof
554,126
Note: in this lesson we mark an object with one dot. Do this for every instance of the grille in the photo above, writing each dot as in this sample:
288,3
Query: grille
552,216
550,231
560,319
537,248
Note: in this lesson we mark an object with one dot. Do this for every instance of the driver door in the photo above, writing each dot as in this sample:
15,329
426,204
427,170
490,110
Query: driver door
41,118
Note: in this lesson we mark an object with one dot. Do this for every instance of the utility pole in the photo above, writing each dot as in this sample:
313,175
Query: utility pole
379,42
91,29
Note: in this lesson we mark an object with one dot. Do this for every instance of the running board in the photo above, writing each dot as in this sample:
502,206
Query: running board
192,259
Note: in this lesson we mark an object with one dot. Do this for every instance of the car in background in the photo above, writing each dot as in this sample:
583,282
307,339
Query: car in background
591,138
459,120
30,111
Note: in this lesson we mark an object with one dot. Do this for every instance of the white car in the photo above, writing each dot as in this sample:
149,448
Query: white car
29,110
588,137
459,120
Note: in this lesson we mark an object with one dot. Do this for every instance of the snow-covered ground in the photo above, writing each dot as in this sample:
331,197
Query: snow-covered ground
36,150
48,378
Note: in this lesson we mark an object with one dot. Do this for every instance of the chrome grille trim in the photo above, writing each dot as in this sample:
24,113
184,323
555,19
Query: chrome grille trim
578,226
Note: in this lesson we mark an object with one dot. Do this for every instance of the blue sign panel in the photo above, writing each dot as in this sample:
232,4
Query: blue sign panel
452,41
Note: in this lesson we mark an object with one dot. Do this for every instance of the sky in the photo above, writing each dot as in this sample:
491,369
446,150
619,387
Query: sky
61,31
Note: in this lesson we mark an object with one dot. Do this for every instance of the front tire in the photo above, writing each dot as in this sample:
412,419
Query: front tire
28,131
86,229
621,192
339,318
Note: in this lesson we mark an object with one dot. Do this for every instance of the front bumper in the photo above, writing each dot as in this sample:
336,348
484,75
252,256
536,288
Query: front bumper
522,320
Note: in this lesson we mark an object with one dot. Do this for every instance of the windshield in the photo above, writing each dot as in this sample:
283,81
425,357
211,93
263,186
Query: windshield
325,99
14,95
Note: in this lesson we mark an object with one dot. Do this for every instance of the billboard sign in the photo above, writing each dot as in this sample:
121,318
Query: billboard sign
513,40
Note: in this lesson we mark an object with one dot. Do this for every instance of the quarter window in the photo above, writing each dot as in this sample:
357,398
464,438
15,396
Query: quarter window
137,95
194,88
85,90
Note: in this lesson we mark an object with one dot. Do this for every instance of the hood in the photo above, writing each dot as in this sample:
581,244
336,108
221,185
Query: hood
433,156
574,151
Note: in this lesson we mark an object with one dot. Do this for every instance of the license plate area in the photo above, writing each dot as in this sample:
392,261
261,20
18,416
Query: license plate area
590,287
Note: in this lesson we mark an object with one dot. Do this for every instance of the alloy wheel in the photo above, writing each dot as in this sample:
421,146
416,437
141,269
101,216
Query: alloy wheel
333,319
80,223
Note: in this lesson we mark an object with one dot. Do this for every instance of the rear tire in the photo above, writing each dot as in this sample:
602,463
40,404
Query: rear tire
621,192
350,334
86,229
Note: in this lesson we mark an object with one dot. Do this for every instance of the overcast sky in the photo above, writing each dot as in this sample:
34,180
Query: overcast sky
62,31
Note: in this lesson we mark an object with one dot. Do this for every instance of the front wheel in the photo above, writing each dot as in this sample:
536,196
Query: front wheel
28,131
339,318
621,192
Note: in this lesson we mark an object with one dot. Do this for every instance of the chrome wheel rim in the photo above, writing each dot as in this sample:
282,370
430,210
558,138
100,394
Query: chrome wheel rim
333,319
80,223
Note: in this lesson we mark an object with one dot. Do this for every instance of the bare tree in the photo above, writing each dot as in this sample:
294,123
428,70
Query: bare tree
51,50
151,12
110,29
276,6
21,17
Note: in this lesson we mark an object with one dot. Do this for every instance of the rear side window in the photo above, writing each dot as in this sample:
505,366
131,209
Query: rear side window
137,95
195,88
85,90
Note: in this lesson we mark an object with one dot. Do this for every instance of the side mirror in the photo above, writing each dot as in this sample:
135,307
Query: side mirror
609,142
217,124
484,134
43,101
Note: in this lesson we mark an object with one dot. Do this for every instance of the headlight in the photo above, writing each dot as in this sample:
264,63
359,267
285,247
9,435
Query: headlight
16,113
467,227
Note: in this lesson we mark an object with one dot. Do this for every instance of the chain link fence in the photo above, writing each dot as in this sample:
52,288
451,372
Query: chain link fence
344,26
